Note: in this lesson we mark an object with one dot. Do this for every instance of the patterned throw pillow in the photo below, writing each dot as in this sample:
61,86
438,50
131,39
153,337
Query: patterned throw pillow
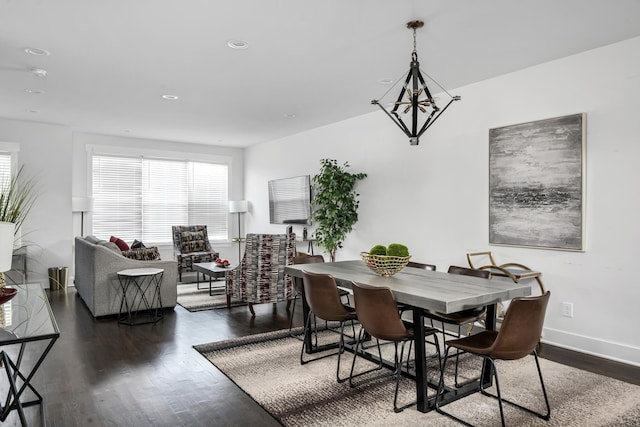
143,254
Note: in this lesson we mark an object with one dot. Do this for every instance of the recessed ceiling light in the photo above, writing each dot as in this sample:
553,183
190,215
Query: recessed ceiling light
34,91
290,115
170,97
36,51
238,44
39,72
385,81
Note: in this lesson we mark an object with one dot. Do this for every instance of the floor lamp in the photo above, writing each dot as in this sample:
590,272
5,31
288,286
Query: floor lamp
82,205
239,207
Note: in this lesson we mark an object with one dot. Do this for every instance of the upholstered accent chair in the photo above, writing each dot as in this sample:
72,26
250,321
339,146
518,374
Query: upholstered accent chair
191,245
260,277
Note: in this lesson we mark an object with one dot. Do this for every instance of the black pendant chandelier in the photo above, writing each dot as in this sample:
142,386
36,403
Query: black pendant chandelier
415,100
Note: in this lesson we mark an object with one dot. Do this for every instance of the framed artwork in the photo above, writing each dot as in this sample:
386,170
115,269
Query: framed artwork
536,183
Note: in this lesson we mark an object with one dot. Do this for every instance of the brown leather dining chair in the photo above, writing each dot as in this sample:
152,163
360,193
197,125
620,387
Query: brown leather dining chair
458,319
297,285
322,295
379,317
518,337
462,317
420,265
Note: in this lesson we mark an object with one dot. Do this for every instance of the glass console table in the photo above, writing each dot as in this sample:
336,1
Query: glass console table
27,318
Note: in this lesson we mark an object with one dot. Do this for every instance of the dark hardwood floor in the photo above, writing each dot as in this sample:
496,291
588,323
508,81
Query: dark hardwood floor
100,373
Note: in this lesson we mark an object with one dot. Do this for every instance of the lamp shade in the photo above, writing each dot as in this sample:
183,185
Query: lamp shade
238,206
6,245
81,204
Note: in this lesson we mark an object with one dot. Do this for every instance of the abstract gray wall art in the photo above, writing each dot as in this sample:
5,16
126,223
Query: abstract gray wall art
536,183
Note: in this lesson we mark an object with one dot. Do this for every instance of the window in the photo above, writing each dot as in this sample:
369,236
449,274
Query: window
5,168
141,198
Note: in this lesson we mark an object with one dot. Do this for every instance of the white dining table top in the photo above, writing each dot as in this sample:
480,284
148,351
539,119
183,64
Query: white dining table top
432,290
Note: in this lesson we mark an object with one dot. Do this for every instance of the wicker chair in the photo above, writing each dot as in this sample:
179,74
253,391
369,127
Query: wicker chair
191,245
260,277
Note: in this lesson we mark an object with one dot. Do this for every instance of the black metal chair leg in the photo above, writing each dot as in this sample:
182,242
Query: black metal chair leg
293,311
546,416
340,351
359,343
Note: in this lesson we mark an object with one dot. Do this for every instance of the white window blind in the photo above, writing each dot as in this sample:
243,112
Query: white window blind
5,169
141,198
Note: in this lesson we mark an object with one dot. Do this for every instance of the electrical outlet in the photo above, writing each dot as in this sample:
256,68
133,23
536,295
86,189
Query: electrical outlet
567,309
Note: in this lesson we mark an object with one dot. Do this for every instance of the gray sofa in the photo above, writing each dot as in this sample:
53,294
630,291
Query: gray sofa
96,280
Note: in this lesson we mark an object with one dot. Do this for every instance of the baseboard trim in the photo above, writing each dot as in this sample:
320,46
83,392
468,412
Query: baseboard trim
618,352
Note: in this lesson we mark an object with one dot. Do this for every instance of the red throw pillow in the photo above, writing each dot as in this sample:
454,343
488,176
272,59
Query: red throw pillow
120,243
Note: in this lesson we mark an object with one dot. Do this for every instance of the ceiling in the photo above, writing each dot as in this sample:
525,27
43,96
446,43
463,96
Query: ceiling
308,64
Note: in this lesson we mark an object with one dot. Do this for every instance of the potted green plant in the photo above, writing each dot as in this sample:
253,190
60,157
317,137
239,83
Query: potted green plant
335,204
17,196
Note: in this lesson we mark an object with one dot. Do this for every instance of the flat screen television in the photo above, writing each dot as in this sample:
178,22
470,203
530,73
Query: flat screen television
290,200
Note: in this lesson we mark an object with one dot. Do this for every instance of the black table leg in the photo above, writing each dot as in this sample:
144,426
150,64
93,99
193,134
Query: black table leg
305,314
490,325
420,360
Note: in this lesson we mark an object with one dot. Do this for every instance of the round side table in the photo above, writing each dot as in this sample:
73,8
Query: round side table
138,284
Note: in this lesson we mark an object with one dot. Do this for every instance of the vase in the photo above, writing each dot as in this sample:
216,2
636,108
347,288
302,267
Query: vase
6,248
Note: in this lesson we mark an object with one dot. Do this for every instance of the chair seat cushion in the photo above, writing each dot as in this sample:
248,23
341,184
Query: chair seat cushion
458,318
479,343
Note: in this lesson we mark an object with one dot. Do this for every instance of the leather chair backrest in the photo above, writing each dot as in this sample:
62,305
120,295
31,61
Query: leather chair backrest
521,328
304,259
322,295
485,274
424,266
307,259
378,313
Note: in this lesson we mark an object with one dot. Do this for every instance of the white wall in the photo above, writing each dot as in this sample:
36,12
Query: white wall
45,151
434,197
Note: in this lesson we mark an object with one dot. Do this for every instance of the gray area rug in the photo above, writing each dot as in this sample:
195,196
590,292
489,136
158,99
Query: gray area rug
193,299
267,368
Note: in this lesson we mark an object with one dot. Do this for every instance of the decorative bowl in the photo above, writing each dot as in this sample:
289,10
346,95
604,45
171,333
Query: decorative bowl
384,265
222,265
6,294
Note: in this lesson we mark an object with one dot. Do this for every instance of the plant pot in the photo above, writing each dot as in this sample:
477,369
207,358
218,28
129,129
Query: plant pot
6,245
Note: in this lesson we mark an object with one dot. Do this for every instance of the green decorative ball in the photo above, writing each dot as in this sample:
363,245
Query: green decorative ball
396,249
378,250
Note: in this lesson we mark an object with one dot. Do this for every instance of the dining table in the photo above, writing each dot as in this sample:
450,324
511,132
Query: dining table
423,290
